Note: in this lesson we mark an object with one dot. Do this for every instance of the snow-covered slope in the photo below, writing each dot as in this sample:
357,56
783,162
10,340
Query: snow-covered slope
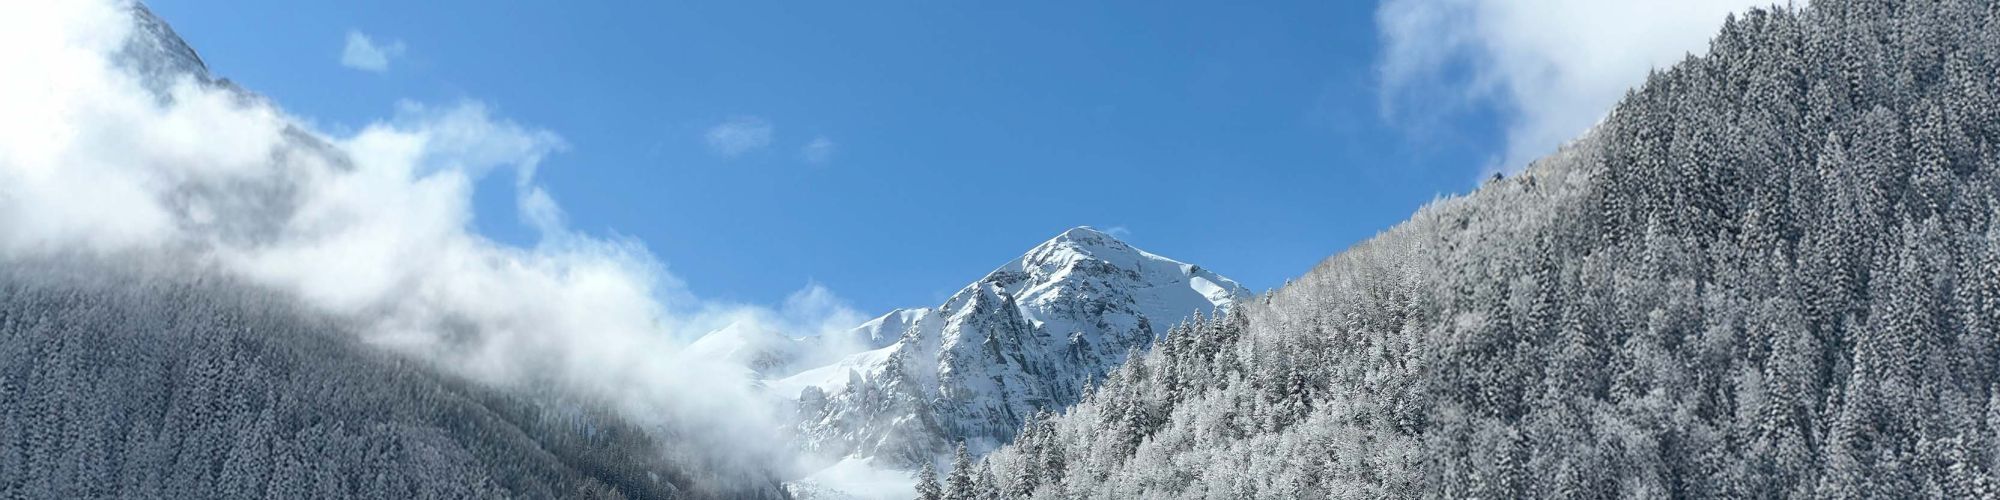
773,355
761,350
884,330
1028,336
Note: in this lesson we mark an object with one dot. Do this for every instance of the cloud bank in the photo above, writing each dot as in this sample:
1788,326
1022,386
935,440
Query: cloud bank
363,54
1552,68
117,145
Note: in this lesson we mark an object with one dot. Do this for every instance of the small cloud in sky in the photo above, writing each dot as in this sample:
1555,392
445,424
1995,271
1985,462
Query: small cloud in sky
819,151
739,135
364,54
1120,232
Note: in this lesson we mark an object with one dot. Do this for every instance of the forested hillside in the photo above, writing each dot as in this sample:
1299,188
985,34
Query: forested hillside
1773,271
135,384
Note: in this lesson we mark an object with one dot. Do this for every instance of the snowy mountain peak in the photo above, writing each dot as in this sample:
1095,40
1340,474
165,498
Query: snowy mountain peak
1084,264
1085,234
1084,241
1027,336
156,54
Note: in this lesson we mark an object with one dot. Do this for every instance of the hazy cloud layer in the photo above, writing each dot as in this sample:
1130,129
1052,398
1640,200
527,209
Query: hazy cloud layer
364,54
1553,67
372,226
739,135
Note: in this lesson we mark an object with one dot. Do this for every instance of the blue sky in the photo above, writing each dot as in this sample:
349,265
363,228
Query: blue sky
895,151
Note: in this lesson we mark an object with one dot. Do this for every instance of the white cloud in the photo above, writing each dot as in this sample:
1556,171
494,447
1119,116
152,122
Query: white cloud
739,135
819,151
373,227
1553,67
364,54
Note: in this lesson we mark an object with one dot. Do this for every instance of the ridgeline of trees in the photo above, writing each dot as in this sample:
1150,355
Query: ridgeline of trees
1774,271
128,384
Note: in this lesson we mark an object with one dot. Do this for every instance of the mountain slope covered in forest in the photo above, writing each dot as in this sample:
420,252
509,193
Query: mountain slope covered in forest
1773,271
130,384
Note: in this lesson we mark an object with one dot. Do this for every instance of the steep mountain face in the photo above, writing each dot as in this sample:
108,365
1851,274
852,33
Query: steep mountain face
156,54
1026,337
1772,272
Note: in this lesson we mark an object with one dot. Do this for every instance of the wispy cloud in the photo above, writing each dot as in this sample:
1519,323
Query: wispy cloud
1551,67
1120,232
364,54
739,135
819,151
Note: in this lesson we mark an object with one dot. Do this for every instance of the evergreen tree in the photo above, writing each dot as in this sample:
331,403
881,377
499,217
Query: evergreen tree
927,484
988,487
959,484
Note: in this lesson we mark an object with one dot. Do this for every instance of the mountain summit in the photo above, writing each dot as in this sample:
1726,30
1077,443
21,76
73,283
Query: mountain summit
1024,338
1163,288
